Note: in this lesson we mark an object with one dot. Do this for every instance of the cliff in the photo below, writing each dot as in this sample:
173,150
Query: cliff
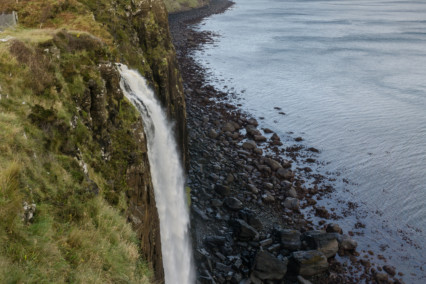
176,6
73,157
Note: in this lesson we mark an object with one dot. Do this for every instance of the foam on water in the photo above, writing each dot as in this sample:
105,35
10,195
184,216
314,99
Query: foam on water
167,178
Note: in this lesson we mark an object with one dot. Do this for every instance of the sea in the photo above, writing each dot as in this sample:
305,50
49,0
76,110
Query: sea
349,77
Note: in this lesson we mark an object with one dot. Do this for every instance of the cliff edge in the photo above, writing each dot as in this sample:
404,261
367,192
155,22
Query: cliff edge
73,157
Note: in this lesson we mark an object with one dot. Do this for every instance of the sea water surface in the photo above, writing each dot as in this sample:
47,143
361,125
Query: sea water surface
351,77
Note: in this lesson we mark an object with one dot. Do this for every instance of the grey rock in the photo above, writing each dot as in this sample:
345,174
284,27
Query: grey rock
292,192
333,228
253,122
302,280
251,218
233,203
291,203
309,263
249,145
273,164
228,127
216,202
268,267
243,231
289,239
259,138
285,174
213,134
222,189
347,243
324,242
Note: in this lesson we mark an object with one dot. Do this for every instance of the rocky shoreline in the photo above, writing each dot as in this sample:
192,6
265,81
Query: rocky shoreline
246,199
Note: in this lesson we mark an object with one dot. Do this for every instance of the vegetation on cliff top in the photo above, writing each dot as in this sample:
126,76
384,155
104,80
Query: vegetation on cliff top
68,137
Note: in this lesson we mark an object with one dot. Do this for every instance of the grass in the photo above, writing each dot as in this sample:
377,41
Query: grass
76,235
174,6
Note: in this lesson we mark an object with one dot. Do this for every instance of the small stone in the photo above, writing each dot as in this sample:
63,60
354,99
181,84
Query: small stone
390,270
213,134
292,192
216,202
253,122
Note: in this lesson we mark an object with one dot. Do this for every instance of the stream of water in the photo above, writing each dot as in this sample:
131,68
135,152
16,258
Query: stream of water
167,178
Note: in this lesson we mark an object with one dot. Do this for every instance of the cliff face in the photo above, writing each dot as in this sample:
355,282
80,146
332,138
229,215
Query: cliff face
175,6
73,145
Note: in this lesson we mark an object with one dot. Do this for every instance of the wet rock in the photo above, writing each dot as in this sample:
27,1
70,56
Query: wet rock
333,228
266,242
259,138
291,203
381,278
275,137
390,270
309,263
286,185
268,267
285,174
267,130
258,151
222,189
324,242
292,192
213,134
289,239
233,203
322,212
249,145
253,122
273,164
243,231
347,243
228,127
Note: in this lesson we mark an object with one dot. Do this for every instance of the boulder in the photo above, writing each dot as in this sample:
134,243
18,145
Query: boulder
333,228
289,239
251,218
324,242
309,263
285,174
259,138
222,189
291,203
268,267
233,203
249,145
347,243
228,127
273,164
243,231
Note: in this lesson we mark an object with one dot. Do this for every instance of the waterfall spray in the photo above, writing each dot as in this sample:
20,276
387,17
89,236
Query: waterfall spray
167,178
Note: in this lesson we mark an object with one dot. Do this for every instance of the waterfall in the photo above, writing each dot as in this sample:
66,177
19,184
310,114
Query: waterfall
167,178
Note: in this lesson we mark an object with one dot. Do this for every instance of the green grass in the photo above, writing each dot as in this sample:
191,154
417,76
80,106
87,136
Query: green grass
77,235
174,6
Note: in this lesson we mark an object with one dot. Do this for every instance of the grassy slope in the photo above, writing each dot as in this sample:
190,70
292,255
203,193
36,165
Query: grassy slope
79,232
174,6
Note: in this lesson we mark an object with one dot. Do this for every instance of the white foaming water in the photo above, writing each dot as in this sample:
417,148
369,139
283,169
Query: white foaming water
167,178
